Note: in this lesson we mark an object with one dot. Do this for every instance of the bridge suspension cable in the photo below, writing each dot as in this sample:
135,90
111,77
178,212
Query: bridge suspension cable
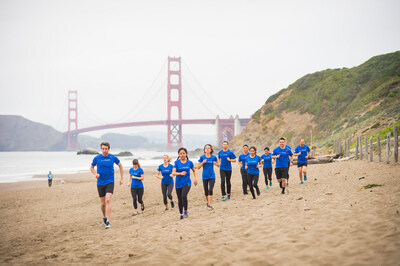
203,90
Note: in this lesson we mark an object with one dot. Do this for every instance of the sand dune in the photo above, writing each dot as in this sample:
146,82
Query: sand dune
327,221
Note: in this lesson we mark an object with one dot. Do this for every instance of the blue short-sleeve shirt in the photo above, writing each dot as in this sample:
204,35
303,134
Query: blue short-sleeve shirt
208,167
182,180
137,173
105,168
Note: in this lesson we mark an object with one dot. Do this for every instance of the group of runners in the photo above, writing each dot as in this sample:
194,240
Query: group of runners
249,162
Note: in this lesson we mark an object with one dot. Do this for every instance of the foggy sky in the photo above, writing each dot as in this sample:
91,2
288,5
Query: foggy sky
235,54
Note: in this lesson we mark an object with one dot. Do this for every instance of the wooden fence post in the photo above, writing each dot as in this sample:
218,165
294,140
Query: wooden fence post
388,148
356,148
361,151
396,144
371,149
345,148
366,147
378,140
348,147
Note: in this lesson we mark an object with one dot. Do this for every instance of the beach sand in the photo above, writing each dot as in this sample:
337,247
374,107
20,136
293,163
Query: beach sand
327,221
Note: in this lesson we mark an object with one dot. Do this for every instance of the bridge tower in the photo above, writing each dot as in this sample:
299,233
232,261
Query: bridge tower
174,101
72,120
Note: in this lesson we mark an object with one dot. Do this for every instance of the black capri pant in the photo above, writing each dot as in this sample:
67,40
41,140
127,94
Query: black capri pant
167,191
182,197
137,195
208,185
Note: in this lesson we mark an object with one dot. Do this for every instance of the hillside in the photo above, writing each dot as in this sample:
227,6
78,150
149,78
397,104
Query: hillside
334,103
20,134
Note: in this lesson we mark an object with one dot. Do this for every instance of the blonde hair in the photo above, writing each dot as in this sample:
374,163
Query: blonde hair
169,158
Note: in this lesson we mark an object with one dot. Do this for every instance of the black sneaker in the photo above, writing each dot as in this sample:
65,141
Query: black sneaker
142,208
258,192
104,221
172,204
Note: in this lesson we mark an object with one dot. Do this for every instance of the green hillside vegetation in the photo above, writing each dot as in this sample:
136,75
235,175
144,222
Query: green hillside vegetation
343,101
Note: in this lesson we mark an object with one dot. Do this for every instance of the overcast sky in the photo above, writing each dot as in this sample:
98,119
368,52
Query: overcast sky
235,53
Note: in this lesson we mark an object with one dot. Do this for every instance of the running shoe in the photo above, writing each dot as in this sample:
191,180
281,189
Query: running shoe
305,178
104,221
135,213
172,204
258,192
223,199
181,217
301,183
287,184
229,197
108,225
266,188
211,208
270,183
186,214
166,208
142,208
283,192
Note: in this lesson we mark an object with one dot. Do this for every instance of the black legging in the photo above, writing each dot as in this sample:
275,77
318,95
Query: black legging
139,193
253,180
208,185
182,198
166,191
267,175
244,180
225,175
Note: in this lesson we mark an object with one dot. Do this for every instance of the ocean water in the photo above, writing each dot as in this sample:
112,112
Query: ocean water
22,166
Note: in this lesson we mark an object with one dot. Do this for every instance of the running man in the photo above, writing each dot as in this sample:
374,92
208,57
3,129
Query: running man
225,158
136,184
291,159
183,183
253,162
167,183
267,166
207,161
242,164
303,153
105,179
50,178
282,156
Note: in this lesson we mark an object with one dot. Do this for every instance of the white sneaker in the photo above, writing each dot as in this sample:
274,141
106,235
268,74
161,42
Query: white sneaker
108,225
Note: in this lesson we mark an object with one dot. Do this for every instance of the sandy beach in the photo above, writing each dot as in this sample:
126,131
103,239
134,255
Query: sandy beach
329,220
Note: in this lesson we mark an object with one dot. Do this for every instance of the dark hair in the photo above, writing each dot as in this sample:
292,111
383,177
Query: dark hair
105,144
283,138
183,149
225,142
135,161
254,148
204,149
266,148
245,145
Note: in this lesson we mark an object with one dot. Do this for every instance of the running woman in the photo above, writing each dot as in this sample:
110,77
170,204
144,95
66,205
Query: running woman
136,184
183,183
267,166
242,164
167,183
105,179
282,156
207,161
253,162
291,159
303,153
225,158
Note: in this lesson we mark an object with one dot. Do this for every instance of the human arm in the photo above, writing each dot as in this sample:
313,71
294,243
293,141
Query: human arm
94,171
121,171
200,164
195,176
158,175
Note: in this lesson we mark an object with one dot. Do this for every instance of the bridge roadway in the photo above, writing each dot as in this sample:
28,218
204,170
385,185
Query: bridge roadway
221,121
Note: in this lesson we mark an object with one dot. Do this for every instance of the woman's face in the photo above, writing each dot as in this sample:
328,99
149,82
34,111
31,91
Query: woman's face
252,152
182,155
266,152
207,149
165,159
135,166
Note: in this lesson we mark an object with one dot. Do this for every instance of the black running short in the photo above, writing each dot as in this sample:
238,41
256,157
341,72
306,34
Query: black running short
104,189
281,172
301,165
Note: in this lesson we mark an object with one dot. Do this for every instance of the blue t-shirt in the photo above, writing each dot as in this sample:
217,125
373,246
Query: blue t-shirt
252,164
105,168
137,173
304,151
166,171
283,160
242,159
50,176
224,155
267,160
208,167
182,180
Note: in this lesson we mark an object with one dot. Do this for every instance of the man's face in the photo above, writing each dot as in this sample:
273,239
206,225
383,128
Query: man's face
302,142
245,149
282,143
104,150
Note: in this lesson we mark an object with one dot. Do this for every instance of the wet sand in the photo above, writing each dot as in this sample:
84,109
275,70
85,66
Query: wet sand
327,221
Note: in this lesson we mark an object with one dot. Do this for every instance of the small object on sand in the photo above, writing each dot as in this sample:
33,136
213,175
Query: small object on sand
307,210
315,179
300,198
131,255
351,205
363,177
328,193
181,237
305,228
371,186
62,182
397,212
